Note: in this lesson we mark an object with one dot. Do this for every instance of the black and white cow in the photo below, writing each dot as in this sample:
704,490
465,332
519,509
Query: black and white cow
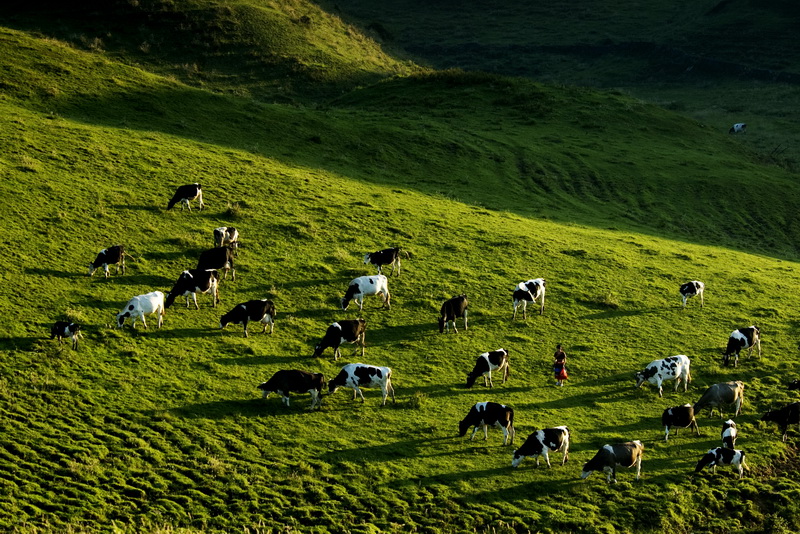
185,194
451,309
526,292
540,442
219,258
364,286
785,416
253,310
739,127
678,417
194,281
695,288
63,329
348,331
359,375
109,256
142,305
387,256
226,236
294,381
719,394
794,384
742,338
609,457
486,414
672,368
722,456
729,434
496,360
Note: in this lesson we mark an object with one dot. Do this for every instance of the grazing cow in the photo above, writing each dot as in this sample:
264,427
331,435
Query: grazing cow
742,338
349,331
387,256
694,288
485,414
62,329
219,258
142,305
359,375
788,415
253,310
678,417
719,394
451,309
729,434
526,292
294,381
364,286
672,368
739,127
109,256
186,193
496,360
225,236
794,384
609,457
722,456
192,282
540,442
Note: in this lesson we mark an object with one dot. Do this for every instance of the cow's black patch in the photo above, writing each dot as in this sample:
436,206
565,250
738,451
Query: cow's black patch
365,374
649,372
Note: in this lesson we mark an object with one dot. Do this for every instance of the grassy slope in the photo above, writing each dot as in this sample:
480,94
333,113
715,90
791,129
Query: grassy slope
164,428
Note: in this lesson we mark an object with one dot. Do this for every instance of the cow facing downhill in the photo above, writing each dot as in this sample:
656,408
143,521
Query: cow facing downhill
142,305
452,309
526,292
185,194
496,360
609,457
788,415
678,417
722,456
365,286
359,375
486,414
295,381
672,368
251,311
722,394
64,329
348,331
695,288
194,281
219,259
540,442
387,256
742,338
109,256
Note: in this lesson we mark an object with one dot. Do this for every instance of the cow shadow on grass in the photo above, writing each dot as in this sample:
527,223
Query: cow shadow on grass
609,314
254,407
55,273
182,333
160,283
138,207
24,342
413,448
258,360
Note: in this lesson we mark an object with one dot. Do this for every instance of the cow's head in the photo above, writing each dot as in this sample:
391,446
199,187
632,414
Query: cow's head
771,415
471,378
121,318
332,387
367,257
517,459
463,426
318,350
441,325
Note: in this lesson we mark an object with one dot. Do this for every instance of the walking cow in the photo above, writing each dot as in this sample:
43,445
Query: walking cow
719,394
742,338
526,292
451,309
695,288
540,442
672,368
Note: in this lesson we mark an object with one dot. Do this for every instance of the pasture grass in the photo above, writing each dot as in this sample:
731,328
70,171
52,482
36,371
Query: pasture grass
486,181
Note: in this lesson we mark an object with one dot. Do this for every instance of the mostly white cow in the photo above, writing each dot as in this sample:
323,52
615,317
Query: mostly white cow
387,256
452,309
672,368
739,127
359,375
185,194
194,281
609,457
496,360
295,381
540,442
486,414
785,416
219,258
226,236
251,311
742,338
722,456
695,288
348,331
678,417
64,329
721,394
526,292
142,305
729,434
364,286
109,256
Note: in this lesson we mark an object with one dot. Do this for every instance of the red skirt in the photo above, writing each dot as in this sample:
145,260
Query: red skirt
560,373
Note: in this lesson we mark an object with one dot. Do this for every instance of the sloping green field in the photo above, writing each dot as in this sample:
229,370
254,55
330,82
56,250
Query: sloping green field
486,182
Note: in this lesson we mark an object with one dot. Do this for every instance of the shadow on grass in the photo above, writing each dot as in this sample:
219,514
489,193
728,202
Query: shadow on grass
140,207
56,274
23,342
183,333
160,283
264,360
413,448
255,407
624,313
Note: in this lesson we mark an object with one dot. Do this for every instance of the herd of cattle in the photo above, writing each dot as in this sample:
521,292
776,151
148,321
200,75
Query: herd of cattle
205,279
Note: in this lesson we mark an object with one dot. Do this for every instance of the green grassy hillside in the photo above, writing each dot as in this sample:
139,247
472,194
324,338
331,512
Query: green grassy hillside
486,181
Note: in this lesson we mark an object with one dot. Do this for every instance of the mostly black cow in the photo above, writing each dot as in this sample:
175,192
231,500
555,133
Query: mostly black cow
722,456
251,311
526,292
219,258
295,381
194,281
785,416
64,329
348,331
609,457
486,414
452,309
185,194
109,256
678,417
540,442
359,375
496,360
722,394
742,338
695,288
387,256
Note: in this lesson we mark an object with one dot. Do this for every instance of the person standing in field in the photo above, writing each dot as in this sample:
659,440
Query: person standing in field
560,365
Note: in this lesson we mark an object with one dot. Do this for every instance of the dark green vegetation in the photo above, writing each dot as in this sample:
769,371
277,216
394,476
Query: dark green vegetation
487,181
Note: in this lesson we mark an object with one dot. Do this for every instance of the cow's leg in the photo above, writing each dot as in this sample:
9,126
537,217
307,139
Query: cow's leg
391,390
485,432
660,389
546,456
245,328
541,310
465,320
505,434
315,400
474,431
361,394
702,304
336,354
514,306
143,321
638,467
286,399
194,297
161,312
